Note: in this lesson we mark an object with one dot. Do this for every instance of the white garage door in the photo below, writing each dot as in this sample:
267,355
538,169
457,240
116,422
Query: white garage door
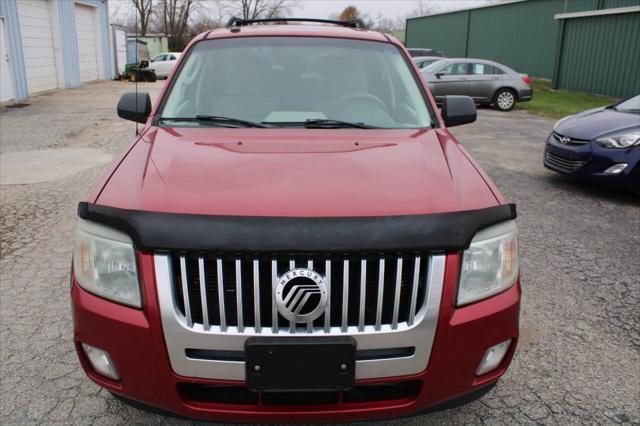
37,45
86,30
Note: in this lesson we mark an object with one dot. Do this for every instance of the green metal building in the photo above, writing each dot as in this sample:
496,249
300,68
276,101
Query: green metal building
585,45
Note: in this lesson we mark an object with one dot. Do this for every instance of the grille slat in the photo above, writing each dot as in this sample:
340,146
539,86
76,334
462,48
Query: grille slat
203,293
380,294
274,281
234,292
414,290
363,293
327,312
345,294
396,299
223,319
569,141
292,326
563,163
185,290
310,323
256,294
239,310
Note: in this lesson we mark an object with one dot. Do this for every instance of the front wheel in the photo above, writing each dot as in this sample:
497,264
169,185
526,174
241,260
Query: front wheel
504,100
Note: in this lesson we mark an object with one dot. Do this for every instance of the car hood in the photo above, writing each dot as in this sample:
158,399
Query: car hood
597,122
296,172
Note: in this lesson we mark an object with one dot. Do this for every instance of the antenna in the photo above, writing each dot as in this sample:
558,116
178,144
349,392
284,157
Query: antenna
136,68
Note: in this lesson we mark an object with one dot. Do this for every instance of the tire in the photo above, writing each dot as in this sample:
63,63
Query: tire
135,76
504,99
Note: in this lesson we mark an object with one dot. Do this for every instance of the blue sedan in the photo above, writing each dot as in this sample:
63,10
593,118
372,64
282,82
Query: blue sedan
601,144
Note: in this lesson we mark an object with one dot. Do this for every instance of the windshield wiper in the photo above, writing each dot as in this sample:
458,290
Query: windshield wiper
328,123
216,119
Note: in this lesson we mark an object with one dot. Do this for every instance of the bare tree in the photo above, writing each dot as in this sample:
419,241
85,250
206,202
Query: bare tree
202,23
423,8
387,25
144,10
254,9
175,19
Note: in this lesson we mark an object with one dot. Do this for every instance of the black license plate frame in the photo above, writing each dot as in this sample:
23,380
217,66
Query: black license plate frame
299,364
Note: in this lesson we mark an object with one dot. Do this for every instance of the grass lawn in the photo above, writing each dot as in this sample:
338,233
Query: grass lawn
560,103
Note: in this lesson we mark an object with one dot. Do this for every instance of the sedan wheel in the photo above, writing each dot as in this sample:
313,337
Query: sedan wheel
504,100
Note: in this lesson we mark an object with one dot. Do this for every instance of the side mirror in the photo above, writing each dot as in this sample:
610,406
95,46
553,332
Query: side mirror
135,106
439,74
457,110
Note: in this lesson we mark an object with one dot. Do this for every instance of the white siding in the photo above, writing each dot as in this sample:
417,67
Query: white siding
86,29
37,45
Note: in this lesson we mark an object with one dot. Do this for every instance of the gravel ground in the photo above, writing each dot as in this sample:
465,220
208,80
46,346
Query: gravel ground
579,356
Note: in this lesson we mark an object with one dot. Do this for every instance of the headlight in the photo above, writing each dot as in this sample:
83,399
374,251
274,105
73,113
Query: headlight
560,121
620,141
490,264
104,263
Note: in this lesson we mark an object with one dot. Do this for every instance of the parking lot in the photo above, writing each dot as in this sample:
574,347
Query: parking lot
578,359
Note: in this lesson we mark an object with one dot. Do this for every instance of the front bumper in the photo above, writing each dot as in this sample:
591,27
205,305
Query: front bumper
593,160
135,341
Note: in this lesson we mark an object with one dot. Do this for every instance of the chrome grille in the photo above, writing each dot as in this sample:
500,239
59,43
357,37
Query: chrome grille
562,163
569,141
236,291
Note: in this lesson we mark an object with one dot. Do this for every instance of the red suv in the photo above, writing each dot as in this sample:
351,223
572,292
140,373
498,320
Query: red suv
295,235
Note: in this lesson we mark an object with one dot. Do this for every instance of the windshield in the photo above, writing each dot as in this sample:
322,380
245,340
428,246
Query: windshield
430,69
631,104
287,81
427,62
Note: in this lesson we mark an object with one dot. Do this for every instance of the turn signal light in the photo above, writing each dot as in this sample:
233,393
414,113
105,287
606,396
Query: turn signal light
100,361
493,357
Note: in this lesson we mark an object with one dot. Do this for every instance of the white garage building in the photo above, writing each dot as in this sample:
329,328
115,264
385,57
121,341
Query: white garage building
52,44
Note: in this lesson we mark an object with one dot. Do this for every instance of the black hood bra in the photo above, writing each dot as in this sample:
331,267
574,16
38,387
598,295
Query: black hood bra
157,231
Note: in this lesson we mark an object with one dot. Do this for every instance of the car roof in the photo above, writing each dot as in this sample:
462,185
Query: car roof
482,61
423,58
478,60
297,31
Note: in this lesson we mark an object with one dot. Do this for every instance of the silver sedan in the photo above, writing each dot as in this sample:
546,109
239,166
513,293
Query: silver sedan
487,82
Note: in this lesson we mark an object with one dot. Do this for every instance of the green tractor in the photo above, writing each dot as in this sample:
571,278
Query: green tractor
139,72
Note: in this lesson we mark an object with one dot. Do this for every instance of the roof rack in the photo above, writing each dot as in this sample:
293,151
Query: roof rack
240,22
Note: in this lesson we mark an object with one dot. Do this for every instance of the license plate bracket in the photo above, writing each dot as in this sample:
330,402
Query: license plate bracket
282,364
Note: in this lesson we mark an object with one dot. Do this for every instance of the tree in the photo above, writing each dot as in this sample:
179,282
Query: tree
387,25
423,8
203,23
255,9
144,9
175,18
350,13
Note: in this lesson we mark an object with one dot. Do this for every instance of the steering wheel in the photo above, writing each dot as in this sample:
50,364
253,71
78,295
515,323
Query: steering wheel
361,96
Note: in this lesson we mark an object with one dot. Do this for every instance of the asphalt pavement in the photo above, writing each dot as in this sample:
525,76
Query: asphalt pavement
579,355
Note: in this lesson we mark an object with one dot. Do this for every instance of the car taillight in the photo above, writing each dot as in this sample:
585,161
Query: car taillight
526,80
